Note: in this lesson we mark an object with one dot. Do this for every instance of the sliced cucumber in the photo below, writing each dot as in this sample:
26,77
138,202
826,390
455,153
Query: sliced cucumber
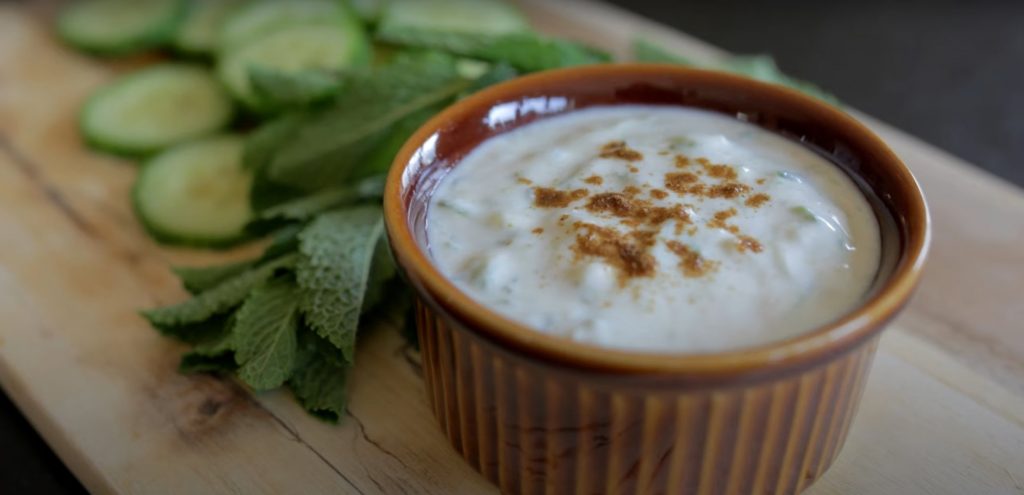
199,31
196,193
257,19
293,50
116,27
486,17
154,108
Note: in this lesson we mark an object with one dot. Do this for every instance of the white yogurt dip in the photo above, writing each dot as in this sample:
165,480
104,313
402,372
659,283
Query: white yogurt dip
654,228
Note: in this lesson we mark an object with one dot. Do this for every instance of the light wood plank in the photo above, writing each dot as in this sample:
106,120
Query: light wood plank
101,386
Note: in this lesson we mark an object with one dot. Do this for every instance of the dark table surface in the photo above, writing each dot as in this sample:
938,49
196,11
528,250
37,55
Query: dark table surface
949,72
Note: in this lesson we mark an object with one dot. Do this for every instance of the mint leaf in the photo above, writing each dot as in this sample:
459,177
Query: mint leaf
277,90
526,51
336,253
260,147
645,51
763,68
531,53
320,376
495,74
379,161
215,354
382,271
261,144
198,279
759,67
264,335
198,332
217,300
328,145
432,39
308,206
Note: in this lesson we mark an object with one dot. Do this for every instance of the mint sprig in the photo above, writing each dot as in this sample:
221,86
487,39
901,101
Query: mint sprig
333,272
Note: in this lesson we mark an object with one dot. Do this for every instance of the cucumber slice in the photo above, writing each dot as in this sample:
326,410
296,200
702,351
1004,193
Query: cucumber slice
293,50
117,27
154,108
259,18
196,193
198,33
485,17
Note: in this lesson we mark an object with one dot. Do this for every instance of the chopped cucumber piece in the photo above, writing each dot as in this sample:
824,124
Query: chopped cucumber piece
154,108
116,27
196,193
490,17
199,32
293,50
259,18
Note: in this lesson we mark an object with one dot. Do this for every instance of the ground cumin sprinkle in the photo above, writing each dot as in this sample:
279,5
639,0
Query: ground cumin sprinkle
682,161
635,211
747,243
629,253
596,180
619,149
691,263
546,197
729,190
757,200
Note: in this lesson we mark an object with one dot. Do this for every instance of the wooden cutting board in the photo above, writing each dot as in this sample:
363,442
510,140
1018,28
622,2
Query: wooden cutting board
943,412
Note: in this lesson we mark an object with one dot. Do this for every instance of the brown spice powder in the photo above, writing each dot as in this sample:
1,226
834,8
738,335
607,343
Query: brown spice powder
596,180
635,211
728,190
619,149
747,243
691,263
628,253
658,194
682,161
719,171
757,200
680,182
546,197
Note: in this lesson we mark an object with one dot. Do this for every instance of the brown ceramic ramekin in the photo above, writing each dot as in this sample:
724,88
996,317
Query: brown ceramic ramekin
541,414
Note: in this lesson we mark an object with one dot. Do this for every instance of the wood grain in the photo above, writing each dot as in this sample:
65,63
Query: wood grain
943,410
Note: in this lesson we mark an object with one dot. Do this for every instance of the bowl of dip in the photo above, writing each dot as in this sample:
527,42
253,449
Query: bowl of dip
650,279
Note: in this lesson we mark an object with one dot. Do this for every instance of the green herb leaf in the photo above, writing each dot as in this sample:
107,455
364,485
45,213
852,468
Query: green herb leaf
526,51
759,67
382,271
495,74
337,251
198,279
264,334
305,208
276,90
530,52
645,51
327,146
214,354
379,161
320,376
217,300
260,148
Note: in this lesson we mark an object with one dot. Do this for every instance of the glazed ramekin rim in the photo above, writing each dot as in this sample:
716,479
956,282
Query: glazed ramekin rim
855,326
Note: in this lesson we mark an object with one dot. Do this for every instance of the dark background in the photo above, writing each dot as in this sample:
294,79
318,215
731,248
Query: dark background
949,72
